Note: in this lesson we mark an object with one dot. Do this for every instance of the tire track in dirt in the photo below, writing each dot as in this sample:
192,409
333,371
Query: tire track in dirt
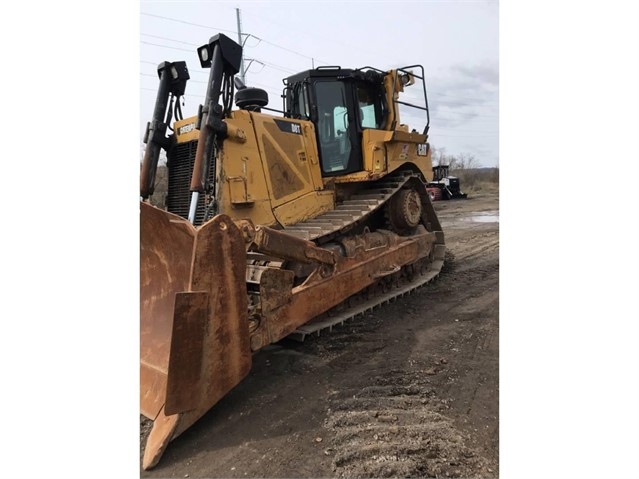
397,423
469,295
392,428
479,244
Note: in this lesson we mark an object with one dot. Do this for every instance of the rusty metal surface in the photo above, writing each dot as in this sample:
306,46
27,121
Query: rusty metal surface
275,291
424,273
198,176
275,288
219,267
405,209
194,342
185,360
159,438
318,294
166,248
287,246
357,245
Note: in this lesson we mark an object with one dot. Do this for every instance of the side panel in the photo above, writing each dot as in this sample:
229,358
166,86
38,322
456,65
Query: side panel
410,148
374,150
291,168
305,207
242,188
283,147
386,151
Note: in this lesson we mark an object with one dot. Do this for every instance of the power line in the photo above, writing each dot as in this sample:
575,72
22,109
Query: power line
232,31
262,18
190,80
267,88
208,27
201,72
270,65
293,51
270,88
169,39
166,46
278,67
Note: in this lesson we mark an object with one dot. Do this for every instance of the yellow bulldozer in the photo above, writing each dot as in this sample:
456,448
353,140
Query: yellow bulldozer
277,223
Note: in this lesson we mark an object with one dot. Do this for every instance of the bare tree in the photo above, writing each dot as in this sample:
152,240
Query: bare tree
463,161
468,161
439,156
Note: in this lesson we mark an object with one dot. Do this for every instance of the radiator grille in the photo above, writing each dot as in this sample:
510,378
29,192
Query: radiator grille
180,161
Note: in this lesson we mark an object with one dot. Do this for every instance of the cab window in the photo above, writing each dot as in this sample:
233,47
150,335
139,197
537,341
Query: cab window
332,126
370,104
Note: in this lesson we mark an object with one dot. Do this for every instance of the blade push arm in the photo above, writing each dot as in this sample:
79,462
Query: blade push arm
173,77
223,56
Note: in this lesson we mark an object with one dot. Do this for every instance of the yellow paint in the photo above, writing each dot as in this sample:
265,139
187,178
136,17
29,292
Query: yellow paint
188,126
270,175
386,151
242,191
305,207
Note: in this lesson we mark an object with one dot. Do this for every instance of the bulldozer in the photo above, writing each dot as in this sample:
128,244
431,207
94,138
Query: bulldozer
278,223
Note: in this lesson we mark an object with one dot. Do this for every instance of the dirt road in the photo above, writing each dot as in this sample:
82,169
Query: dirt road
408,390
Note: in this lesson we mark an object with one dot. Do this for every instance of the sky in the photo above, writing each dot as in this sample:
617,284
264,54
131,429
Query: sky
457,43
569,261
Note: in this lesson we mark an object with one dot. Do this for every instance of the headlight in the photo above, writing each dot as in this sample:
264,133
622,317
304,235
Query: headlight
203,53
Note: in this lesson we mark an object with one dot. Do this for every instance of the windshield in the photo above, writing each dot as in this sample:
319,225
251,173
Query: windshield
332,127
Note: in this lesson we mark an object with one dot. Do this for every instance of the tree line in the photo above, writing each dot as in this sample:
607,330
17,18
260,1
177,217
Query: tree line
466,167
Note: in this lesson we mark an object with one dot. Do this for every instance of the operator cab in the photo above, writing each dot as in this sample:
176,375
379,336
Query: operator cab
341,103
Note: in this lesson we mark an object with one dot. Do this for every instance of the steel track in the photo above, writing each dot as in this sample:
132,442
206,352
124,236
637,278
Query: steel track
338,317
337,222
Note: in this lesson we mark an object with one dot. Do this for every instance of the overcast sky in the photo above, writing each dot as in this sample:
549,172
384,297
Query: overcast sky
456,42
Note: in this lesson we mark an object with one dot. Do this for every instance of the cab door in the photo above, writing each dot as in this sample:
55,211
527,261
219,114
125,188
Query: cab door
338,139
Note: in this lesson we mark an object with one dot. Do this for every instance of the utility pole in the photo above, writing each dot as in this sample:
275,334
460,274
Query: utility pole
239,40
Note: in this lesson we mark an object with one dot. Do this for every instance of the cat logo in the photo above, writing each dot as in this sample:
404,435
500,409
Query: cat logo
422,149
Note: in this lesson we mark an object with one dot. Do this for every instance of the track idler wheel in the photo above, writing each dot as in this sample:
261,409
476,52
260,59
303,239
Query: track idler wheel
405,210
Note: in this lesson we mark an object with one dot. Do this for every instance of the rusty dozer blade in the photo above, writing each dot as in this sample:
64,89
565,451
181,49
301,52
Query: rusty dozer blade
194,333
